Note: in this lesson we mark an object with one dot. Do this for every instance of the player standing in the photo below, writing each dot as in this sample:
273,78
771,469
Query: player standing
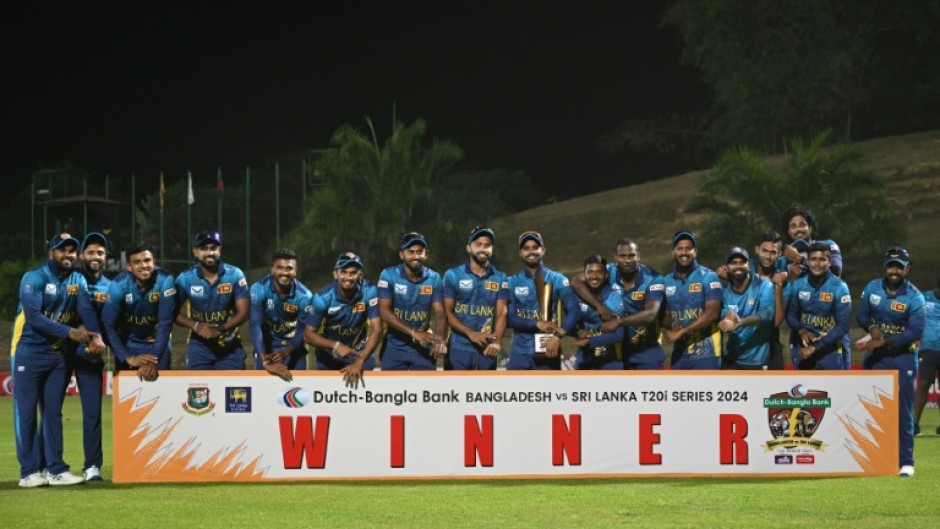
892,311
598,349
476,299
218,304
928,369
747,315
278,302
410,294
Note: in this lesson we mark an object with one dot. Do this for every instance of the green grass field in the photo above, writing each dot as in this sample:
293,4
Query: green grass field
889,502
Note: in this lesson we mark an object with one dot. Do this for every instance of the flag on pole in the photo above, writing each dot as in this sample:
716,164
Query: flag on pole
162,191
190,198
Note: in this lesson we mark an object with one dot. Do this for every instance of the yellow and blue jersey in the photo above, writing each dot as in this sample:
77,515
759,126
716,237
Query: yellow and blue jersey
612,298
900,316
750,345
276,322
475,300
345,321
137,320
212,303
49,308
636,337
524,307
824,309
684,299
411,300
931,339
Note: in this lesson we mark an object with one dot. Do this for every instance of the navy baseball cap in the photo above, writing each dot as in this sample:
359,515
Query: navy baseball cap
62,239
897,255
348,259
737,251
94,237
412,238
205,237
479,231
683,234
531,236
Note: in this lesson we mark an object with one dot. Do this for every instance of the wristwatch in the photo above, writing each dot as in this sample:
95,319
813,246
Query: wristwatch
220,327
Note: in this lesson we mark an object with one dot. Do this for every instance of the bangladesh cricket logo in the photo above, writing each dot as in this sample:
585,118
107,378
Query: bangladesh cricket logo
794,416
198,401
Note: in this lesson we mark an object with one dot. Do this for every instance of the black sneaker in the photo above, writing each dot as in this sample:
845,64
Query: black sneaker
938,430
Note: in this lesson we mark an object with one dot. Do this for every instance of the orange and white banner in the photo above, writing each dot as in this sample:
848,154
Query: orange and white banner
251,426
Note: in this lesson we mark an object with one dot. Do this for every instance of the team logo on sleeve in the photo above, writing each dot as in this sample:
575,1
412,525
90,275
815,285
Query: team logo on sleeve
845,299
657,287
465,284
426,290
129,298
154,296
695,287
897,306
373,302
359,307
243,282
638,296
169,292
289,307
715,284
101,297
225,288
491,286
382,283
825,296
72,290
564,282
27,288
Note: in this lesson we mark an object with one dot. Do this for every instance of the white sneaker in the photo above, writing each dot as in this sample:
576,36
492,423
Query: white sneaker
92,473
906,471
36,479
65,478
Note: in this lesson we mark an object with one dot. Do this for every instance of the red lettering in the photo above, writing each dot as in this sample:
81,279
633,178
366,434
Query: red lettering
566,441
477,441
303,441
648,438
397,456
732,434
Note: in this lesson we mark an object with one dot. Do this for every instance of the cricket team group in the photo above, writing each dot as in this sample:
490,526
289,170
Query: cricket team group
617,315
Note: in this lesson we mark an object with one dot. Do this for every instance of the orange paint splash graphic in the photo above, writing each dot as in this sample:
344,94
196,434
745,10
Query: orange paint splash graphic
139,461
874,444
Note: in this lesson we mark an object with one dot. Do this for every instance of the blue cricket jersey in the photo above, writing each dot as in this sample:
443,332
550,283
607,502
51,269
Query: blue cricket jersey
139,320
273,323
475,300
834,251
750,345
931,338
825,310
685,300
96,292
345,321
900,316
212,303
49,308
524,307
636,337
612,298
411,300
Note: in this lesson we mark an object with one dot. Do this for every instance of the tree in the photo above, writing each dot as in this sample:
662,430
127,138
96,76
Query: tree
374,193
745,197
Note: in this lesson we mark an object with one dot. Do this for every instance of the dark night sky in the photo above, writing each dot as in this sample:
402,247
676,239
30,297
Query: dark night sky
149,86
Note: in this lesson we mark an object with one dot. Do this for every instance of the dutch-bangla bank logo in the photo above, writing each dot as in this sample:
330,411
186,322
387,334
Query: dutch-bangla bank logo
794,416
294,397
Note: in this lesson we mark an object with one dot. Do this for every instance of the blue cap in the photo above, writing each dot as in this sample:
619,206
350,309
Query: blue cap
348,259
531,236
94,237
62,239
205,237
683,234
897,255
737,251
412,238
479,231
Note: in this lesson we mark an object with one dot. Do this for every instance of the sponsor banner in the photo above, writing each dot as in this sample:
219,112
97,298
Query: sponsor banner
251,426
6,384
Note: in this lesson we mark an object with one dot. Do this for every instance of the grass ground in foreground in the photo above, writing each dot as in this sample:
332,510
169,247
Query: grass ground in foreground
889,502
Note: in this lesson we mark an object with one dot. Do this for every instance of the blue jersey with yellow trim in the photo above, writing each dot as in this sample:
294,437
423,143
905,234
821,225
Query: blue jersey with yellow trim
475,300
900,316
97,292
277,321
212,302
524,307
750,345
139,320
636,337
411,300
346,321
685,300
931,339
612,298
824,310
48,309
